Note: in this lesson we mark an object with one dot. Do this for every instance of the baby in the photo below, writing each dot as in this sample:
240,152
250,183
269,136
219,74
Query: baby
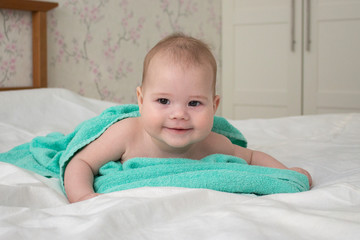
177,103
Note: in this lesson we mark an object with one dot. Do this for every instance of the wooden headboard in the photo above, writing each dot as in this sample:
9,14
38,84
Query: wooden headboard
39,40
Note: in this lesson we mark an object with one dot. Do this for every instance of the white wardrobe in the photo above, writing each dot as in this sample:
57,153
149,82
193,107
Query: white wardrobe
290,57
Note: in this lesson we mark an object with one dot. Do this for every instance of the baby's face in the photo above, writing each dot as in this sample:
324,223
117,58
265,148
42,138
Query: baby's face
177,103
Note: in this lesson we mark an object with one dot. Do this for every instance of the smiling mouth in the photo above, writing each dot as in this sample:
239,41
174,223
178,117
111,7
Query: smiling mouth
179,130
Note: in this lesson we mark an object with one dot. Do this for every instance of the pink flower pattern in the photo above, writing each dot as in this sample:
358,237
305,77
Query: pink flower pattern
99,45
13,24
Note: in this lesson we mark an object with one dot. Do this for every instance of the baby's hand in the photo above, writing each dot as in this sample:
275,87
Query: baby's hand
91,195
303,171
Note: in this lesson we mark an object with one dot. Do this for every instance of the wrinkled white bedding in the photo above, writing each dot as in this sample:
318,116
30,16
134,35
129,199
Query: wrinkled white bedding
328,146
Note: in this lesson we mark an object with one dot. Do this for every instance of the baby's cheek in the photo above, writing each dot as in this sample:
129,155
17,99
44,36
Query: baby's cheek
205,123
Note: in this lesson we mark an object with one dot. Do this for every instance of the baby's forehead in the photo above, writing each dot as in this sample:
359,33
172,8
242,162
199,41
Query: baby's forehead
183,60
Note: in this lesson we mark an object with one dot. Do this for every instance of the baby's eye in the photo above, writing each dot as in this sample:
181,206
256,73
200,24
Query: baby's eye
194,103
163,101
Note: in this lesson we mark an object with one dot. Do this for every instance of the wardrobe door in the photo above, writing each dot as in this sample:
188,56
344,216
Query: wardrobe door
262,58
331,56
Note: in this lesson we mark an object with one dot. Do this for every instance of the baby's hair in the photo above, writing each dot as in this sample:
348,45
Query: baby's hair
184,50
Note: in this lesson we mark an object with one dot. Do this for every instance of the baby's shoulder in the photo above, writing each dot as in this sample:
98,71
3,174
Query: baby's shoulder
219,143
218,138
127,122
124,127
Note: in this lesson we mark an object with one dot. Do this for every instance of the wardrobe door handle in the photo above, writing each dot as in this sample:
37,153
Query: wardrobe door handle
292,31
308,25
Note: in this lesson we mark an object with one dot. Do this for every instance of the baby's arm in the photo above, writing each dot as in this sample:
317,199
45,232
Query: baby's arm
262,159
79,178
80,172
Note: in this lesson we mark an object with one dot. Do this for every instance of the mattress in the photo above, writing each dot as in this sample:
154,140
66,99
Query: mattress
328,146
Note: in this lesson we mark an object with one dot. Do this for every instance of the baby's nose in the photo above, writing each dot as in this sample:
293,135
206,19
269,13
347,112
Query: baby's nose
179,113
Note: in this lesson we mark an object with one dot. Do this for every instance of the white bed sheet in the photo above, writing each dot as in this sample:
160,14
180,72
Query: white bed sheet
328,146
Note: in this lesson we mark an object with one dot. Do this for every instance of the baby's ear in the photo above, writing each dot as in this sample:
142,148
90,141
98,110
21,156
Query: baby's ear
140,98
216,102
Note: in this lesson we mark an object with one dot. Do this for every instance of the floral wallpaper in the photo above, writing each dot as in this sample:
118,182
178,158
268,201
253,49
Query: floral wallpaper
96,48
15,48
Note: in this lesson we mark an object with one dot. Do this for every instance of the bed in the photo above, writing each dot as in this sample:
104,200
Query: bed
328,146
35,207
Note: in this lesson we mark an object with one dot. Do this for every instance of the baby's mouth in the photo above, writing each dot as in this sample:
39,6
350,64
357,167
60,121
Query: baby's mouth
178,130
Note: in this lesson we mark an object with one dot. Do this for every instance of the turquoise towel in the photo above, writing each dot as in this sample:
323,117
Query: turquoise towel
49,156
218,172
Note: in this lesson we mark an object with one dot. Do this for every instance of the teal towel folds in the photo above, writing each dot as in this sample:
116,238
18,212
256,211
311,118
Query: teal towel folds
49,156
218,172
